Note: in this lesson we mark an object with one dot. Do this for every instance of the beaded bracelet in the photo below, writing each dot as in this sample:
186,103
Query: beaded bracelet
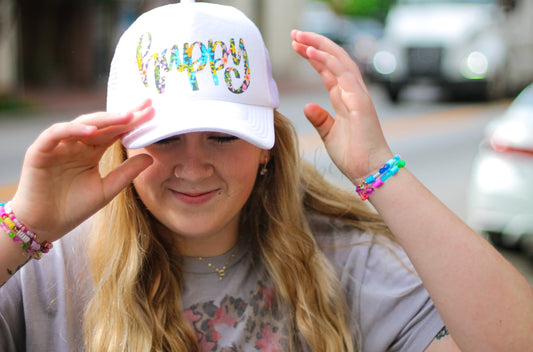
20,234
391,167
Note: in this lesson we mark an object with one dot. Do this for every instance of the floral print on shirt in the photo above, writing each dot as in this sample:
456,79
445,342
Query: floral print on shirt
238,325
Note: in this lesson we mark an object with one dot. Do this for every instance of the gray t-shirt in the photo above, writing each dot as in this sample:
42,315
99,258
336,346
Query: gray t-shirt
41,307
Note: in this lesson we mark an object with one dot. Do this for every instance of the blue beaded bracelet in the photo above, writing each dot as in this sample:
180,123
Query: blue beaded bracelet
391,167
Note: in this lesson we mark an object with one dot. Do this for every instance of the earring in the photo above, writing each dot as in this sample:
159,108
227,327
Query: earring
264,169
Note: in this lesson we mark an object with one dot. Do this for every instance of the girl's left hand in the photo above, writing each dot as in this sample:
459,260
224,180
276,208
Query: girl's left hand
353,139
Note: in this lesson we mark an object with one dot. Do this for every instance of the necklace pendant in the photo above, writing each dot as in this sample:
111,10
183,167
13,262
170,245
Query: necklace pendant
220,271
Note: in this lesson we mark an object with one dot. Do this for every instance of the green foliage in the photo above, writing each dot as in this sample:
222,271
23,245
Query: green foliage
364,8
11,102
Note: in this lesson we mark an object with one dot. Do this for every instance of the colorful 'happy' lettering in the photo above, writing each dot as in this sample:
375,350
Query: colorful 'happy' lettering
163,64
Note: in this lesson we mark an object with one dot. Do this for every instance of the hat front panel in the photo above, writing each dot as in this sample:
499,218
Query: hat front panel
188,55
196,55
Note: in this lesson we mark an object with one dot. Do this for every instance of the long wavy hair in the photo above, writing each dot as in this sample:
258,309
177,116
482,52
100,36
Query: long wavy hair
136,304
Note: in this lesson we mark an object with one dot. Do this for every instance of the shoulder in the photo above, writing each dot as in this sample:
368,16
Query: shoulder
346,246
383,291
370,261
68,254
63,265
69,251
46,298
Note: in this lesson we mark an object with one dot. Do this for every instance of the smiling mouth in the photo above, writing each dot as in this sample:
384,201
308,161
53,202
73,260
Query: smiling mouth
195,198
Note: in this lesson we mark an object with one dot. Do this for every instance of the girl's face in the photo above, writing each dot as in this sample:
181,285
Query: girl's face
197,186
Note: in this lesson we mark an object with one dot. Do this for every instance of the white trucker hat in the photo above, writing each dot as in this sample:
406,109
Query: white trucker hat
205,67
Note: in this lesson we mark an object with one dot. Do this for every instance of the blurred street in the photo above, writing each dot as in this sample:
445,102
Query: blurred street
436,137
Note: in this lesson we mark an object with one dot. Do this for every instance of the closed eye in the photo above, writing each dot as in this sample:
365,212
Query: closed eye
168,140
223,138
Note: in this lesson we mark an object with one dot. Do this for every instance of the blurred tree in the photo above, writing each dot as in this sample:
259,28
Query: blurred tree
361,8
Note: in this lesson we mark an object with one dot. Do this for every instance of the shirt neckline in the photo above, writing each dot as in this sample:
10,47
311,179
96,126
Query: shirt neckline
194,265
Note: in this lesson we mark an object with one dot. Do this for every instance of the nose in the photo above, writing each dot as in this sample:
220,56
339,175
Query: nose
193,160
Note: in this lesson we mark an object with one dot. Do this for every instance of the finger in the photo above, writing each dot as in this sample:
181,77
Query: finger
300,49
124,174
329,49
106,136
105,119
52,136
74,131
351,85
328,77
142,116
332,84
333,64
322,43
143,105
320,119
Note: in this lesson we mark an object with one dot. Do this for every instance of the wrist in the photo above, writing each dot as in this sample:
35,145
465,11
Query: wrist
366,186
7,243
363,167
20,234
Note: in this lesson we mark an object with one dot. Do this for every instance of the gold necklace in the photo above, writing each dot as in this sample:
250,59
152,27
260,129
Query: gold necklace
220,271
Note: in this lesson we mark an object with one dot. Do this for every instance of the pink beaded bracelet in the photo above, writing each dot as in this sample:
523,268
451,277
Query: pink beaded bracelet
20,234
391,167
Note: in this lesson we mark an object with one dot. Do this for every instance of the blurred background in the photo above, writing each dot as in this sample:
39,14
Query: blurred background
444,76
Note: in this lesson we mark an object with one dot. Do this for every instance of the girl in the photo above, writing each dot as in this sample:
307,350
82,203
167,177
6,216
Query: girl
193,225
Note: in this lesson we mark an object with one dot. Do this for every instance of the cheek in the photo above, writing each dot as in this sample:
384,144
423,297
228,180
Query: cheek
241,170
143,184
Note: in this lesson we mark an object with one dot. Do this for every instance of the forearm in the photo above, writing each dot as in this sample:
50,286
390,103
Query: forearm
486,304
12,257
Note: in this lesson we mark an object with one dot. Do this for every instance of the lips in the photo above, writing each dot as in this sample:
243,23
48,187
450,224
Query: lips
195,198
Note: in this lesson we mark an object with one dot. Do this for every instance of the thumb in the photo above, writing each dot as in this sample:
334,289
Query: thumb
319,118
124,174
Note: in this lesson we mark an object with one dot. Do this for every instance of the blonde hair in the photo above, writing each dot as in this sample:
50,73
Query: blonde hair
137,303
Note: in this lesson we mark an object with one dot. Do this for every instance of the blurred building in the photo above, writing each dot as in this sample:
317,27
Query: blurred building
65,43
8,46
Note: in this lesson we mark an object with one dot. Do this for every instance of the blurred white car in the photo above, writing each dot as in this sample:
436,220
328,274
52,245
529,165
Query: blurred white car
470,48
500,199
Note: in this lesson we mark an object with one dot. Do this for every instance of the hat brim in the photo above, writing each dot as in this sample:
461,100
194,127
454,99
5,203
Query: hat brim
254,124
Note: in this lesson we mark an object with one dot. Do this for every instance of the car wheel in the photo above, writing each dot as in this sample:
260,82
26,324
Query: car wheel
393,91
495,238
502,241
526,245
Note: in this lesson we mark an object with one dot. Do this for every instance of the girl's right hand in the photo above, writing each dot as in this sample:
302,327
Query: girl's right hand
60,184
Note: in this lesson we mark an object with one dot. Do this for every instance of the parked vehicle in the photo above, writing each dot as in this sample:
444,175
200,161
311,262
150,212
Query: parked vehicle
474,48
500,199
